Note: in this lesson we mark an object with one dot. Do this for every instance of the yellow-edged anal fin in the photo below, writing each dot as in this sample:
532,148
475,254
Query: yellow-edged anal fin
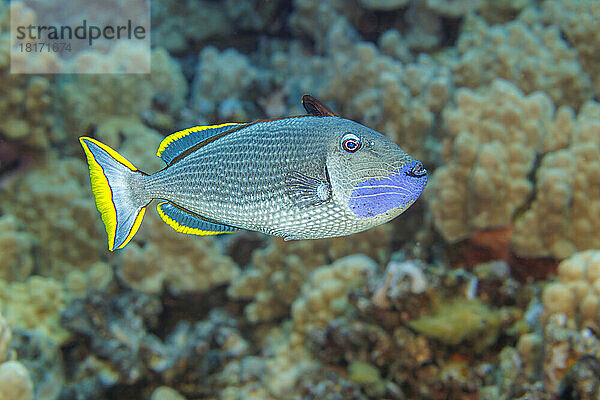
188,223
178,142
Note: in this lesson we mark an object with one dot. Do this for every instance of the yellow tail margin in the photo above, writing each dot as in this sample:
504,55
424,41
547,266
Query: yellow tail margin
111,176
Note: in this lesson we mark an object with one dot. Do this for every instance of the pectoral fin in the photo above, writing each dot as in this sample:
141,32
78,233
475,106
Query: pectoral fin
305,191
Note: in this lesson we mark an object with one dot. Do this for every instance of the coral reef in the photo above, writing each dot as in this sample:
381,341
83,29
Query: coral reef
90,99
561,218
559,361
15,380
52,201
578,19
42,357
383,5
166,393
34,304
120,342
159,257
175,24
460,320
276,273
324,295
532,57
366,376
576,294
5,336
16,249
25,100
495,138
222,81
491,145
126,352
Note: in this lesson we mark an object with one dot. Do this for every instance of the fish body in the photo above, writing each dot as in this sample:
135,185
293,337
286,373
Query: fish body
305,177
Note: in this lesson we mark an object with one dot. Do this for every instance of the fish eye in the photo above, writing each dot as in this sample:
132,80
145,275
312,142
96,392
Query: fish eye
351,143
417,171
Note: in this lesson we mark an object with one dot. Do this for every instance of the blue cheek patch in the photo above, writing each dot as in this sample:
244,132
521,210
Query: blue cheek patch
378,195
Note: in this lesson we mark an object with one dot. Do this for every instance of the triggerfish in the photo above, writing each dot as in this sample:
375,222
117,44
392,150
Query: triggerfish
305,177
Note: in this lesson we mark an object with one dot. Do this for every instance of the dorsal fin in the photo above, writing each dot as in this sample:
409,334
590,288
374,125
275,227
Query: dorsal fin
313,106
186,222
178,142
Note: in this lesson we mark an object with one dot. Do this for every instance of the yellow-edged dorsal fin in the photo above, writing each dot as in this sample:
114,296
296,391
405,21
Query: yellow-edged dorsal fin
177,143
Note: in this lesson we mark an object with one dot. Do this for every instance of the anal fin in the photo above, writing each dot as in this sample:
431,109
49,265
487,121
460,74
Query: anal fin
186,222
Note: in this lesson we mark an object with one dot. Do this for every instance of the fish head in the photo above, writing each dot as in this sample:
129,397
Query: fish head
370,174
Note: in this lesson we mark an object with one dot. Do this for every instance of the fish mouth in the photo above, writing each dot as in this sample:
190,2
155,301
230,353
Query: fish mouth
417,171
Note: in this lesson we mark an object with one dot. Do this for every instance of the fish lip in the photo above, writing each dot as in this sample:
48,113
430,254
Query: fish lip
418,174
417,171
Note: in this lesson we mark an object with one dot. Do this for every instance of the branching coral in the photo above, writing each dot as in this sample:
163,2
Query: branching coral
562,218
324,296
314,18
5,336
34,304
176,23
89,100
285,359
534,58
16,249
15,381
277,272
578,19
53,202
224,82
493,139
577,291
160,256
287,363
25,100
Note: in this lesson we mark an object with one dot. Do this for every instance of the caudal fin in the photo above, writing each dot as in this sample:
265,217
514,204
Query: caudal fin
116,184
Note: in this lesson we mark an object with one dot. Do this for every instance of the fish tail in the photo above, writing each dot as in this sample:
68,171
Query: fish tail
117,186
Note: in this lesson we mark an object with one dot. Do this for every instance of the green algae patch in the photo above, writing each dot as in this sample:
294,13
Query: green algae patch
460,320
366,376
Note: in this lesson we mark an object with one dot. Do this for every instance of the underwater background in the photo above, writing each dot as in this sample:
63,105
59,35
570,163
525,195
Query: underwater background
488,287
